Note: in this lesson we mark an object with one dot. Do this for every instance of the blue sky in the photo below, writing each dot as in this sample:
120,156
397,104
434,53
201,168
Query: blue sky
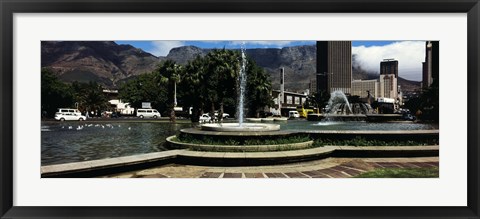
410,54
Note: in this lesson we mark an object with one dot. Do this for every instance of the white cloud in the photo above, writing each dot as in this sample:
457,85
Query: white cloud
162,48
266,43
410,55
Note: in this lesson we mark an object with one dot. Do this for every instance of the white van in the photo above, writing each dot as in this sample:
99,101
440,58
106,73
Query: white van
293,114
148,113
69,114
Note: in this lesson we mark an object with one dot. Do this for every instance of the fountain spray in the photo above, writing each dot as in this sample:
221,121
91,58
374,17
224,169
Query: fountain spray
242,79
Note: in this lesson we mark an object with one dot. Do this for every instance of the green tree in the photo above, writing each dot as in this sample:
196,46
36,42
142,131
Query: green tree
222,71
89,96
193,87
54,93
259,89
426,106
170,74
318,100
145,88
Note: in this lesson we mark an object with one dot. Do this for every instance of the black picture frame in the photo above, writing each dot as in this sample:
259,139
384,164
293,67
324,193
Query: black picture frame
9,7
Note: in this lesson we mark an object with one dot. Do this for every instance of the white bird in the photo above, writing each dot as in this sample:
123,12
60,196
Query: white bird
63,127
129,128
70,127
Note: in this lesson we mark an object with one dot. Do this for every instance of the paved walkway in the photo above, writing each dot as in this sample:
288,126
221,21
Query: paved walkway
326,168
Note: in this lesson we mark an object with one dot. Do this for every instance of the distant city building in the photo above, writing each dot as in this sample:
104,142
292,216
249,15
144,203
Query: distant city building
388,86
362,88
334,66
388,67
291,99
431,65
313,85
282,87
289,102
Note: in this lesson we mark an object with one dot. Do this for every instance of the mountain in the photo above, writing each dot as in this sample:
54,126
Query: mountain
111,64
408,85
102,61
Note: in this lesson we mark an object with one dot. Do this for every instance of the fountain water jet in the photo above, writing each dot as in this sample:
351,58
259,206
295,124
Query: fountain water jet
340,109
242,78
337,103
240,126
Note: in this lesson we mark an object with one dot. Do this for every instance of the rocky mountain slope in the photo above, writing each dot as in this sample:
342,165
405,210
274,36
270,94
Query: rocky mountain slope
101,61
110,64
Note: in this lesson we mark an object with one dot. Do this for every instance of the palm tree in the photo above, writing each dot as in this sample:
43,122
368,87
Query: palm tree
222,69
194,87
170,74
259,89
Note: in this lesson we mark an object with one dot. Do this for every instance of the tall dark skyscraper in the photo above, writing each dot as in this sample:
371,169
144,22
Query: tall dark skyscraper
334,66
431,64
389,67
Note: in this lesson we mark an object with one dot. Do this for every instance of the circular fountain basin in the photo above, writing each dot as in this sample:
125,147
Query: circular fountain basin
246,127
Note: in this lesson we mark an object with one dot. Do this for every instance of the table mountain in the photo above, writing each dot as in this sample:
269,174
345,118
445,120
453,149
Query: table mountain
110,64
102,61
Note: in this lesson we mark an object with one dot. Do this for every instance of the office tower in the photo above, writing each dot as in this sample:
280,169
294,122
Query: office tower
389,66
431,65
334,66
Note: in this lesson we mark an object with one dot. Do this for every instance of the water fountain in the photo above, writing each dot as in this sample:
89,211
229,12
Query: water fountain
340,109
241,126
338,104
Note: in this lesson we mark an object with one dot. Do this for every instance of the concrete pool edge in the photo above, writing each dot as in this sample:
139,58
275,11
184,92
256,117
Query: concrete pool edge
124,164
238,148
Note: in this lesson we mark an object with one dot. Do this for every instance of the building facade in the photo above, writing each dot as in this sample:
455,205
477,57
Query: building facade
389,67
431,65
388,86
334,66
362,88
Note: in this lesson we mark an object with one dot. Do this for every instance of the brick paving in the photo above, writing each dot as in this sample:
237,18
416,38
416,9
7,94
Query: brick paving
327,168
345,170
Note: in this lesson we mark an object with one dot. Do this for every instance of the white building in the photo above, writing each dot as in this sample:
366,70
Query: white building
362,87
388,86
121,107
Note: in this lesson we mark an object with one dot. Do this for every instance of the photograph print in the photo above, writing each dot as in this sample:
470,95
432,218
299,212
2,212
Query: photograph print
240,109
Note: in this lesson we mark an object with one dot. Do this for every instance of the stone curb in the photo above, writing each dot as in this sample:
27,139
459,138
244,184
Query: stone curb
123,164
238,148
79,168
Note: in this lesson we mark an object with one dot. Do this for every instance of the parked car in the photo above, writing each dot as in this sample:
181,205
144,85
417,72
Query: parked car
205,118
409,117
293,114
148,113
225,115
69,114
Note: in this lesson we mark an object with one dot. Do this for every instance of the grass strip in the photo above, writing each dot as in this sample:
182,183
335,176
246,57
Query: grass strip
431,172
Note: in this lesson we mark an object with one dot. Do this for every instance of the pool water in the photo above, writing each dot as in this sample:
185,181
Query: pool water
65,142
354,125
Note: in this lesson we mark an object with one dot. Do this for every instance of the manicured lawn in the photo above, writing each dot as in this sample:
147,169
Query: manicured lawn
432,172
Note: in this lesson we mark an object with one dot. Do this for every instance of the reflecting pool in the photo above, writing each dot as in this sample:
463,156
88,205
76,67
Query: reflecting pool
354,125
65,142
